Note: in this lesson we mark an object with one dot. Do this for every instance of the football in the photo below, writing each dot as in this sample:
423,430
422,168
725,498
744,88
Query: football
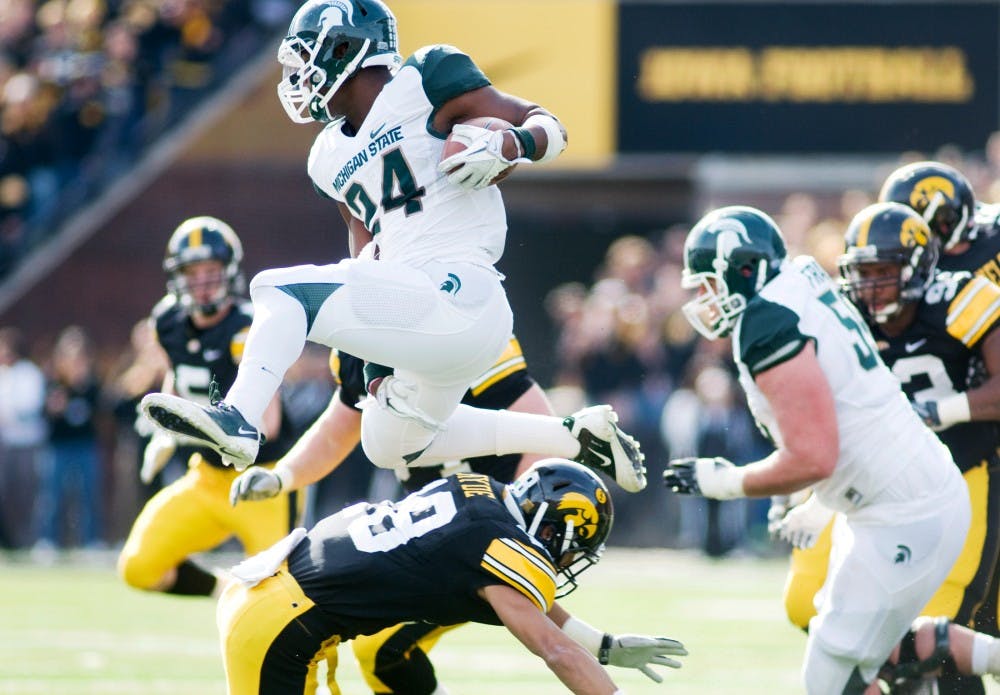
456,143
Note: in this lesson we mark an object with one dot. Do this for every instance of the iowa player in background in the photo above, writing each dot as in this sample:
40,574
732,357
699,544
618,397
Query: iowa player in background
463,548
201,324
970,235
394,660
935,331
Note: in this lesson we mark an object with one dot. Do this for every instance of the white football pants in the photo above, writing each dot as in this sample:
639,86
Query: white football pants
881,575
439,327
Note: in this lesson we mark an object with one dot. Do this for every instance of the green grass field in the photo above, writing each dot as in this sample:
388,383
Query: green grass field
73,628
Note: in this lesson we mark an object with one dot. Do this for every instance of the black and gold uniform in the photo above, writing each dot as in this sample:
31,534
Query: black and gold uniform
938,355
983,255
394,660
371,566
193,514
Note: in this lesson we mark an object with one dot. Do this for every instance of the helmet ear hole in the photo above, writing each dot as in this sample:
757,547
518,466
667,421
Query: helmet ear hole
340,50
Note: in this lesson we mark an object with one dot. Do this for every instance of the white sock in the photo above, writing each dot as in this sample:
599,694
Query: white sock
478,432
276,338
985,655
529,433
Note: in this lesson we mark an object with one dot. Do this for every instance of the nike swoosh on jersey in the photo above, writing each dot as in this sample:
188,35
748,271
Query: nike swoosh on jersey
212,355
377,131
915,345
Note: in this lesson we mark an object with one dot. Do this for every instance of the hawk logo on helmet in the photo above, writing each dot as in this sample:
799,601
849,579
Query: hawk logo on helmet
931,191
912,233
581,511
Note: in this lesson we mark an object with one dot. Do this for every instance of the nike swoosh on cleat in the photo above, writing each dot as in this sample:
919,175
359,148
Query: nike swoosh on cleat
604,458
243,431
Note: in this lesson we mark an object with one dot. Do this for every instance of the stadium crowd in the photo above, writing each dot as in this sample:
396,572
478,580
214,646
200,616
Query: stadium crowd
86,86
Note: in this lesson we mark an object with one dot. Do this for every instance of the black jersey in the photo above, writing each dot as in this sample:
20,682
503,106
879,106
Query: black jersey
499,387
423,558
983,255
939,355
199,355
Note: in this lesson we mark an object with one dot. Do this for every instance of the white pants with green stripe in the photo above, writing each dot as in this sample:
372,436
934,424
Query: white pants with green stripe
439,326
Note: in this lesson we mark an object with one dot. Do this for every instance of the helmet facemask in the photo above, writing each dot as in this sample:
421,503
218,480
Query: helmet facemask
941,194
945,221
866,289
568,510
888,246
186,292
305,89
729,255
714,310
201,239
329,42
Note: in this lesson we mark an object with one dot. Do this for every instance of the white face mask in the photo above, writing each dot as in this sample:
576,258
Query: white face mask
713,310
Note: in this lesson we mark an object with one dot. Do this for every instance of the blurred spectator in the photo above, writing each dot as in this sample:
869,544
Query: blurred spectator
140,370
72,490
23,435
709,418
86,86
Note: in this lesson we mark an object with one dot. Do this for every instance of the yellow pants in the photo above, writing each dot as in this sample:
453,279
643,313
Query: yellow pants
270,619
194,515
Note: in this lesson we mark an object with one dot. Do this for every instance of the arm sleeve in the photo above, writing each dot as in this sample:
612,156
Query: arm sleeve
769,335
974,312
446,73
522,567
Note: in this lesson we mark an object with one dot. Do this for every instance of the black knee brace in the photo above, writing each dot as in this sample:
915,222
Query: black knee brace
192,580
911,669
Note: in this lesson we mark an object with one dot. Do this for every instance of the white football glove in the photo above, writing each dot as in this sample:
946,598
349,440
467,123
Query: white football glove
481,161
780,505
716,478
640,651
255,484
156,455
803,525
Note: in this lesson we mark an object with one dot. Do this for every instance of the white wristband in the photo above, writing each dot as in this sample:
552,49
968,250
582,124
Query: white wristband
553,133
585,635
286,475
732,483
720,482
953,409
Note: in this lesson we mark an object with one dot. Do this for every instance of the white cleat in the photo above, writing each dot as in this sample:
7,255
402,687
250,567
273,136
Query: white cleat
605,448
220,427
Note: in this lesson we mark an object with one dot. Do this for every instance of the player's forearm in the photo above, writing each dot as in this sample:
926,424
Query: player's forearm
984,400
323,447
579,671
784,472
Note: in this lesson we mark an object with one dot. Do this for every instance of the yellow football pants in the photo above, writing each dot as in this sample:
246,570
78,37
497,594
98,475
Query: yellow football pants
194,515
